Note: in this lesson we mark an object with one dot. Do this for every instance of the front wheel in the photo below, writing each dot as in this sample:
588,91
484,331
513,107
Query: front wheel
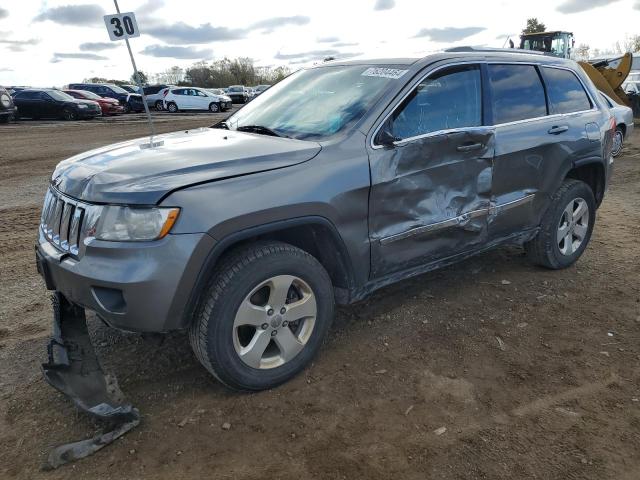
566,227
69,114
214,107
618,142
263,317
158,105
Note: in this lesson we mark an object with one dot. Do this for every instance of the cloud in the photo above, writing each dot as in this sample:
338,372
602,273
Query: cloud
328,39
448,34
19,45
270,24
345,44
384,4
58,57
575,6
73,15
636,6
4,69
182,33
177,52
4,13
93,46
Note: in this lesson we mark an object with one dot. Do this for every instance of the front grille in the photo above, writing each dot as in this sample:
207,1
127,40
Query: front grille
62,222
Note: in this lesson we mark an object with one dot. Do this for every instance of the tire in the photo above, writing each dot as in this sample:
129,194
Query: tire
159,106
216,337
618,142
551,248
68,114
214,107
172,107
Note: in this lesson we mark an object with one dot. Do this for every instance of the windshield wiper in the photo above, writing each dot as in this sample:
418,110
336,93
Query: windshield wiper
261,130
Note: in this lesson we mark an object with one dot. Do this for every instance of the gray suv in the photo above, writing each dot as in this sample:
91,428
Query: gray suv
339,180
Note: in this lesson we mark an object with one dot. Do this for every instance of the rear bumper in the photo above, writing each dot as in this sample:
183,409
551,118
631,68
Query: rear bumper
135,286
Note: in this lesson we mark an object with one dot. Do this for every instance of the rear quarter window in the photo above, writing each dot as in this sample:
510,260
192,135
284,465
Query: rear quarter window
566,93
517,93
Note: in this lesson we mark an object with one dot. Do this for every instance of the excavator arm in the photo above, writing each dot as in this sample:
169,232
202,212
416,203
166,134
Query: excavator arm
609,79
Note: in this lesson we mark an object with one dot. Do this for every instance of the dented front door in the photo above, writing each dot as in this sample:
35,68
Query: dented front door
430,198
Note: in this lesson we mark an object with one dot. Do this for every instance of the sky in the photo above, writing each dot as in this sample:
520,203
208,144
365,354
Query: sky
56,42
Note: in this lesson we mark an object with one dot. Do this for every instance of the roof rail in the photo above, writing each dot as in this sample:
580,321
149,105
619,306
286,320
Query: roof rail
493,50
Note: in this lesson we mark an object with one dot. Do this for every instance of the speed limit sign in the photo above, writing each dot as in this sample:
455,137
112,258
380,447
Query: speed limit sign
121,26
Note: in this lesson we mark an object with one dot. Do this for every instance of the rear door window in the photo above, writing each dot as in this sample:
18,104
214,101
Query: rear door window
450,98
517,93
566,93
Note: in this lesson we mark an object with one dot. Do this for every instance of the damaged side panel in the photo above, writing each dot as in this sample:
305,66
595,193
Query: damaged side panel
430,198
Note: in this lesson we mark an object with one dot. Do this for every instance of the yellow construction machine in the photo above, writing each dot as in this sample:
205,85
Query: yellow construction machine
607,75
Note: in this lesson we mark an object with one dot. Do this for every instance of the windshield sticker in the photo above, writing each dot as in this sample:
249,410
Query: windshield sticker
383,72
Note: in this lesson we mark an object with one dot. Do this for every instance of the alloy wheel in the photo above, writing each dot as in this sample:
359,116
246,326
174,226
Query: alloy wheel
274,322
573,226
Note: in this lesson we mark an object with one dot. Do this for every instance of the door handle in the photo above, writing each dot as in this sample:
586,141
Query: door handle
469,147
558,129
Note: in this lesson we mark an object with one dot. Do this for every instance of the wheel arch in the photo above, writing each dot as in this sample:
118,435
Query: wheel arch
316,235
592,172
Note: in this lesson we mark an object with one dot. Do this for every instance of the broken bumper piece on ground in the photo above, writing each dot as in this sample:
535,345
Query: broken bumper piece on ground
73,369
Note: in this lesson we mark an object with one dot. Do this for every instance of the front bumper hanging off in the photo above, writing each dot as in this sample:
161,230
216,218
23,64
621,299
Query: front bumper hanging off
73,369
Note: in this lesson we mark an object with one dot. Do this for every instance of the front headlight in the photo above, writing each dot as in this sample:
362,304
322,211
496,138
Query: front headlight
82,105
131,224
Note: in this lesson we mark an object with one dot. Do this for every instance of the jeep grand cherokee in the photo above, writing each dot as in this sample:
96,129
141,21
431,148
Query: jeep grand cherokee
340,179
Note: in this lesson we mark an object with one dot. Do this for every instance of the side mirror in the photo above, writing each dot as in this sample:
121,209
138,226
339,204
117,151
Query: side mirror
385,137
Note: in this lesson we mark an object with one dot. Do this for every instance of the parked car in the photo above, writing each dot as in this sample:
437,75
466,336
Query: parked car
251,94
238,94
155,95
108,106
132,102
223,96
337,181
7,107
192,98
631,87
260,88
51,103
624,123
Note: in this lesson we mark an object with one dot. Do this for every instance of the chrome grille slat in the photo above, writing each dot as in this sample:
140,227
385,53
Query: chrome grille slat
67,213
57,218
62,221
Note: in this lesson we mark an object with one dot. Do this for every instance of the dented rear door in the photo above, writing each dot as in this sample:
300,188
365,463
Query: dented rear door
431,189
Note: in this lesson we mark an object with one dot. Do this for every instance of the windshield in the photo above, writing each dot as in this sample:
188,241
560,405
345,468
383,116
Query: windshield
316,103
58,95
117,89
88,94
235,89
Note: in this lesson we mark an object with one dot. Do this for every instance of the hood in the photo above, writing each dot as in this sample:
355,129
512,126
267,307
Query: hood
132,173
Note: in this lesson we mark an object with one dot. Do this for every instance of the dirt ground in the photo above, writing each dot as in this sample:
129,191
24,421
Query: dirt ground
490,369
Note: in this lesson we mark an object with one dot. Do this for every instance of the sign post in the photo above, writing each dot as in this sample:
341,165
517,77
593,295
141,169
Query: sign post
123,26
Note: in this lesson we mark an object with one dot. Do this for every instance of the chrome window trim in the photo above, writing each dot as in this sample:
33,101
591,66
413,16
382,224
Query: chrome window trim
594,107
458,220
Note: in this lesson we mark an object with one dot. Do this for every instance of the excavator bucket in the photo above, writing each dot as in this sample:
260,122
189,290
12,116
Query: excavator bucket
609,79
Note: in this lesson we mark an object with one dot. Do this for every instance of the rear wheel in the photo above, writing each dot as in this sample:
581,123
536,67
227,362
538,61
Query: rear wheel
214,107
566,227
159,105
618,142
172,107
264,316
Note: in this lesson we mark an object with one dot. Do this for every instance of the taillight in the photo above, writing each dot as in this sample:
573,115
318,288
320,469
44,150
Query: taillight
164,94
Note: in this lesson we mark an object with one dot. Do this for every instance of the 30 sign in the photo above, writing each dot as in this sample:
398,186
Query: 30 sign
121,26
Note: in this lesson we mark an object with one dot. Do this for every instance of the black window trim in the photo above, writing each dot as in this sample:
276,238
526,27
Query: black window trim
479,63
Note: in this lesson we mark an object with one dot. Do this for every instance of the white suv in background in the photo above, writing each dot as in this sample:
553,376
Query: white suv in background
191,98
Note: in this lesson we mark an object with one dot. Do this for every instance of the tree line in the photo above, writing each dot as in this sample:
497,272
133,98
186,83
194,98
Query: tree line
220,73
